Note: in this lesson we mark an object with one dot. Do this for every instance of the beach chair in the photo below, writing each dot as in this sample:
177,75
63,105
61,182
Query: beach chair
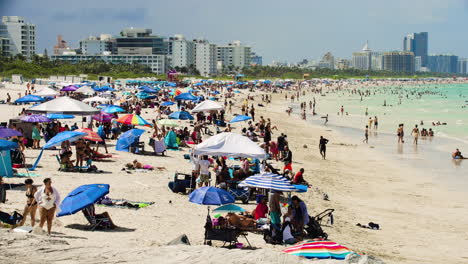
159,147
94,222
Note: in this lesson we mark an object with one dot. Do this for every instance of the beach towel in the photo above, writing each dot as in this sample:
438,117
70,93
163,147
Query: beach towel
25,175
123,203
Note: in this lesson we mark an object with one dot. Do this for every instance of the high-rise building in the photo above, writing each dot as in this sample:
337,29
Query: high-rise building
182,51
444,63
399,61
343,64
205,57
5,47
418,44
97,45
327,61
20,35
256,60
362,60
139,41
234,54
462,66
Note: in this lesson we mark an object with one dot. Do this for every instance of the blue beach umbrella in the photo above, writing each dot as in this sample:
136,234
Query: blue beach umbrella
7,145
229,208
148,89
110,109
211,196
240,118
185,96
82,197
171,84
60,116
182,115
63,136
198,84
29,99
128,138
167,103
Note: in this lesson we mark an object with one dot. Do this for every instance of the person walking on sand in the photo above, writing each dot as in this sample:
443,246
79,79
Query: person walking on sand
323,146
31,204
366,135
400,133
415,134
48,199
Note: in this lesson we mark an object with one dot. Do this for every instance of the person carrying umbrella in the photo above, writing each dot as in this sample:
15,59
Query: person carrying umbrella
48,199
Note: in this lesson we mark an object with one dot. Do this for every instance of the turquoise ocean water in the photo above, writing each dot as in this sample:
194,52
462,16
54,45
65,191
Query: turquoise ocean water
407,105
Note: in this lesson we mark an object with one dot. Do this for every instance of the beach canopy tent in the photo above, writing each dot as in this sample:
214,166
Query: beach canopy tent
128,138
132,119
268,181
96,99
82,197
6,168
64,105
182,115
29,99
209,195
207,106
240,118
319,250
57,140
85,90
47,92
230,145
186,96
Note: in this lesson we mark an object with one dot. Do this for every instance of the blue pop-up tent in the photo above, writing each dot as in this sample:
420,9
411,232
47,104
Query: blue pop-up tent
29,99
6,169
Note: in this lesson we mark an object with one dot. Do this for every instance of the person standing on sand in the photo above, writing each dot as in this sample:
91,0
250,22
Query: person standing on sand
342,110
31,204
323,146
366,135
48,199
400,133
415,134
370,122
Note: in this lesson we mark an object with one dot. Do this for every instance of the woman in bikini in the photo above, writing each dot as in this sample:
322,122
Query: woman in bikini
80,152
48,199
31,204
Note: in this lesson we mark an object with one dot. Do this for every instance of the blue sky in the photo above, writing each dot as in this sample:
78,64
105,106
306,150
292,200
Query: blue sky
278,30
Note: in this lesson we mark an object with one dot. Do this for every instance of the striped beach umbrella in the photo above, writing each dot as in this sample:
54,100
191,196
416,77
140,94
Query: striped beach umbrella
269,181
90,134
132,119
319,250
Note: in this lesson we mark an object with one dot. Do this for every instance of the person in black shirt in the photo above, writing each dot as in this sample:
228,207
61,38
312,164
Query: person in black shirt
287,159
281,143
323,146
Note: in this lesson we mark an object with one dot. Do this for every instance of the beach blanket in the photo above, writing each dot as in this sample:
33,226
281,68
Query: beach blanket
25,175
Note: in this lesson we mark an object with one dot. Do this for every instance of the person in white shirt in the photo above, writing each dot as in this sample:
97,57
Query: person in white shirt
204,171
288,238
48,199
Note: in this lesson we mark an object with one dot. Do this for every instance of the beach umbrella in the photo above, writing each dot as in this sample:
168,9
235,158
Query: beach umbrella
35,119
268,181
132,119
230,145
267,82
319,250
7,145
85,90
60,116
69,88
207,106
182,115
229,208
240,118
101,106
63,136
148,89
96,99
82,197
90,134
185,96
103,117
128,138
167,103
209,195
110,109
8,132
171,84
47,92
64,105
168,123
198,84
29,99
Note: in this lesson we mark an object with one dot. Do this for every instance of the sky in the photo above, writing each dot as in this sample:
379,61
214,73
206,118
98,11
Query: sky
279,30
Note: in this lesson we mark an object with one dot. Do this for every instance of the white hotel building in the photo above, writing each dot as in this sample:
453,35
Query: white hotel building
20,36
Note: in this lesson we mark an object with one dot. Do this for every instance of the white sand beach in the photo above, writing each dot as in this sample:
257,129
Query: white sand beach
421,222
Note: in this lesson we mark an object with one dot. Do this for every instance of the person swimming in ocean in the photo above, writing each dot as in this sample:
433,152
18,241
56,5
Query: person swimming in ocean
457,154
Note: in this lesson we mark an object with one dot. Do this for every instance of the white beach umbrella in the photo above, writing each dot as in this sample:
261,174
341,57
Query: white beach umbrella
230,145
64,105
47,92
207,105
85,90
96,99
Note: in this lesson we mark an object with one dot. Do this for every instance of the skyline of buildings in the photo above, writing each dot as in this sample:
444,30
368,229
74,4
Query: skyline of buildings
140,45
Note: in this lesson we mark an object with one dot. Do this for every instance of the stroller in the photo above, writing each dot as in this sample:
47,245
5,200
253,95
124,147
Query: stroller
314,229
17,157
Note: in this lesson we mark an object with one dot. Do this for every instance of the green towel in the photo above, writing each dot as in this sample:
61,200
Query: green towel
25,175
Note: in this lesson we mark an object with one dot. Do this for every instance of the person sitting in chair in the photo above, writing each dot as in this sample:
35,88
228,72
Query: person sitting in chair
105,218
